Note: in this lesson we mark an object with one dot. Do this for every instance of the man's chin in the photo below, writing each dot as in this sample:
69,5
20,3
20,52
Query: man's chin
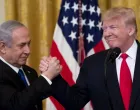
23,62
112,45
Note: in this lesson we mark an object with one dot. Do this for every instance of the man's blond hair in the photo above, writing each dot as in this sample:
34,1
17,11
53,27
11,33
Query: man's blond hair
127,14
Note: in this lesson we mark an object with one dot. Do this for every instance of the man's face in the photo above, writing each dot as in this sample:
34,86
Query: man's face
117,34
19,51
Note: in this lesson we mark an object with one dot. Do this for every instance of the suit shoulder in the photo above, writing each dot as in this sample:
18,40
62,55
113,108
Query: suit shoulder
98,55
95,59
29,69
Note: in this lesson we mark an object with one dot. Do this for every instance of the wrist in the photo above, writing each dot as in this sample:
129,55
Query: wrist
48,75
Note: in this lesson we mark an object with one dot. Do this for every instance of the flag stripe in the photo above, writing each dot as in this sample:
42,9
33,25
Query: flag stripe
66,54
66,73
50,105
99,47
57,104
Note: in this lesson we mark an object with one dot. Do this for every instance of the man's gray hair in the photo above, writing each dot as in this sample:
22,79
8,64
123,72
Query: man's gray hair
6,30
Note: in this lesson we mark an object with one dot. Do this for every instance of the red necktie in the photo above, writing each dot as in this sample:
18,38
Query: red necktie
125,82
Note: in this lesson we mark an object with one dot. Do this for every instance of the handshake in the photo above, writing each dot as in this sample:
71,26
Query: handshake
50,67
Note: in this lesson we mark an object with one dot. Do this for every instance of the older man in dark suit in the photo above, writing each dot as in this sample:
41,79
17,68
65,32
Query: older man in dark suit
20,87
110,85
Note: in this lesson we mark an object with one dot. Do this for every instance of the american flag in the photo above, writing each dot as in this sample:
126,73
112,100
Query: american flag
77,35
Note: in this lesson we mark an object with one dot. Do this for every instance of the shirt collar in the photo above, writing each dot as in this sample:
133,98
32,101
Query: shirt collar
132,51
13,67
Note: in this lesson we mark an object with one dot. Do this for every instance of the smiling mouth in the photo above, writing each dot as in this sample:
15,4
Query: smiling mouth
110,38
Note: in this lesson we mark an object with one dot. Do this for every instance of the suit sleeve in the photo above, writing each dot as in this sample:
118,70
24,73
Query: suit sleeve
12,98
74,97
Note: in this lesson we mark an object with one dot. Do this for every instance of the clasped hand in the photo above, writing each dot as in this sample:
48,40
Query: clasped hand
50,67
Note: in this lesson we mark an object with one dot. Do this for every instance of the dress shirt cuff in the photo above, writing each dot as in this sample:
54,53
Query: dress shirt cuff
48,80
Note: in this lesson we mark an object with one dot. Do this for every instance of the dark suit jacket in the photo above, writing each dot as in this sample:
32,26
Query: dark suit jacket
13,93
101,87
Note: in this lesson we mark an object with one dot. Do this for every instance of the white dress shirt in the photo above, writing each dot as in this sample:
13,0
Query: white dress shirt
131,59
15,69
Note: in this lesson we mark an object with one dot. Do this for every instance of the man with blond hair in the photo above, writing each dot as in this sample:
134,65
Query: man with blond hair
109,85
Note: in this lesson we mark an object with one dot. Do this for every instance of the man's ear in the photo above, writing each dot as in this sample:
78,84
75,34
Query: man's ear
2,47
131,30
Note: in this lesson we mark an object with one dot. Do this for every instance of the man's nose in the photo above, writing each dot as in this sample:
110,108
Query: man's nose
27,49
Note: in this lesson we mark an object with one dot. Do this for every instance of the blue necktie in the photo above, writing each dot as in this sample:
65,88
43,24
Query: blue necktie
22,76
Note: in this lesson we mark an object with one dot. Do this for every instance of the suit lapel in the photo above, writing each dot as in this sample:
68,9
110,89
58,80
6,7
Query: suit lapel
113,87
136,80
12,76
29,74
